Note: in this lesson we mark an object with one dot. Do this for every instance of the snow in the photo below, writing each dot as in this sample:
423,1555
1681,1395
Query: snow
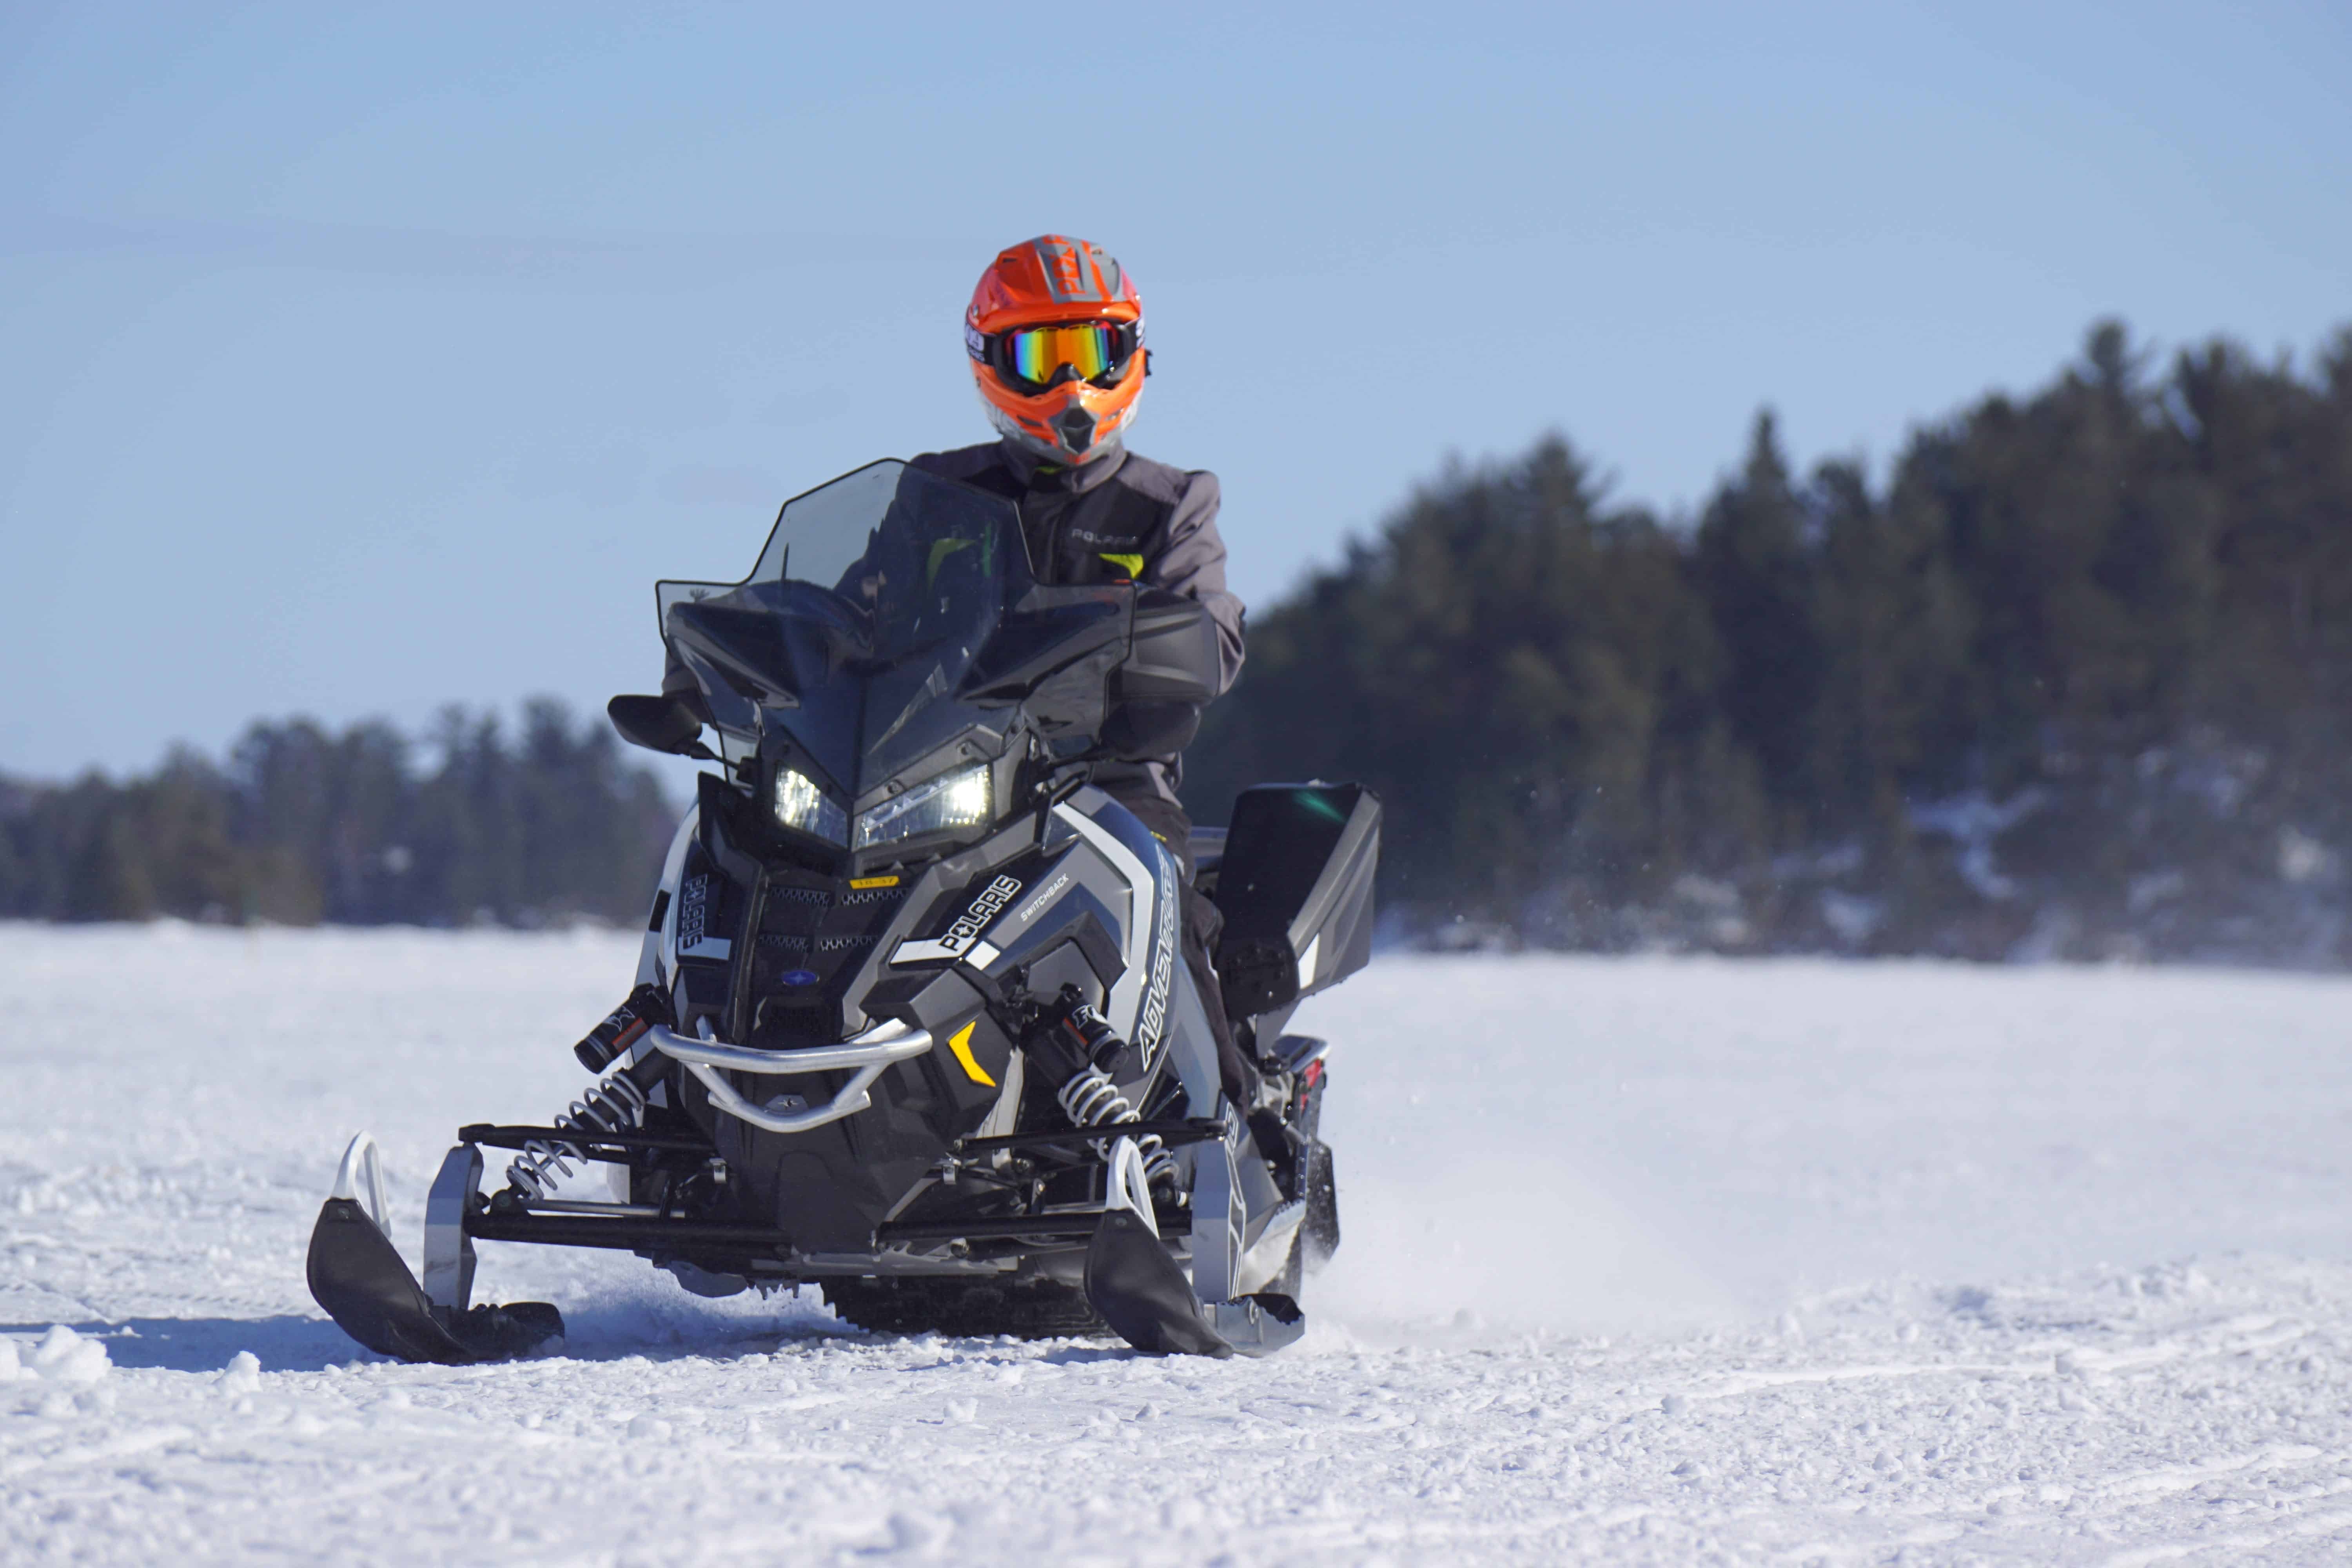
1653,1260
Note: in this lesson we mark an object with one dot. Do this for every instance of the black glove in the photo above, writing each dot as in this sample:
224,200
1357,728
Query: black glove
1137,731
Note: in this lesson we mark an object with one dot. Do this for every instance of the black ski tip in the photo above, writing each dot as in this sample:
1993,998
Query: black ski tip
357,1275
1279,1307
502,1333
1138,1290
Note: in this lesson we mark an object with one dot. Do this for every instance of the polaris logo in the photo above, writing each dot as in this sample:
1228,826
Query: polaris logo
693,912
961,937
984,909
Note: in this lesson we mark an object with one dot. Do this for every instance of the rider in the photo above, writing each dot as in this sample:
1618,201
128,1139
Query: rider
1054,333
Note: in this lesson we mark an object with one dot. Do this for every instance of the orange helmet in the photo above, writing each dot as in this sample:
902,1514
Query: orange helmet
1056,334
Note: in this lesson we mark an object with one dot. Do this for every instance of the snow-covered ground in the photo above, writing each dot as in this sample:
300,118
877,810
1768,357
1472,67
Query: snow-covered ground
1657,1261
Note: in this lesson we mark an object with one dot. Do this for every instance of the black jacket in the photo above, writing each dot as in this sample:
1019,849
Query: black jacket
1120,516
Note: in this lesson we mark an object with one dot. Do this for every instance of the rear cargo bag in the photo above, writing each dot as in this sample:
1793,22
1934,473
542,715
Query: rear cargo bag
1296,889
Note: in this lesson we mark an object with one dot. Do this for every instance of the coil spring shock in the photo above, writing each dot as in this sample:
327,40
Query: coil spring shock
613,1106
1091,1099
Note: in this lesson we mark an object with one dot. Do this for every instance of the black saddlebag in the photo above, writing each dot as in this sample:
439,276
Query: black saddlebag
1296,889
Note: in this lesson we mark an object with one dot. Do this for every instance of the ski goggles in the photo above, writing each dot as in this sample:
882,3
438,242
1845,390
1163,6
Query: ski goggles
1034,358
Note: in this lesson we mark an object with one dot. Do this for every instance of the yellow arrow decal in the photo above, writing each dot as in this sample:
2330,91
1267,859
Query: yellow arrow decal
961,1043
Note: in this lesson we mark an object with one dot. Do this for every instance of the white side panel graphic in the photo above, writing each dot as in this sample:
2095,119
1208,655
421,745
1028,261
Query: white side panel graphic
1127,996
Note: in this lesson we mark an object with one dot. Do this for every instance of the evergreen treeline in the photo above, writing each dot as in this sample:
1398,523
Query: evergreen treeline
303,825
2076,679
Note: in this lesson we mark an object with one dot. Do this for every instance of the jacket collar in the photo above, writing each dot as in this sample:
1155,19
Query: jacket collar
1035,473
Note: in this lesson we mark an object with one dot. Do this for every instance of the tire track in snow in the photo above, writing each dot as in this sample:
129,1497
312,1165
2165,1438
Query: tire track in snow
2338,1524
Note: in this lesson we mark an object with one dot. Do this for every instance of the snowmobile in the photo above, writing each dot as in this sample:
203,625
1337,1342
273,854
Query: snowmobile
912,1019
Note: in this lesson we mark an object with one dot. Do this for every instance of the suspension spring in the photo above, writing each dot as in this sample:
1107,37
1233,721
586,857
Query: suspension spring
1091,1099
613,1106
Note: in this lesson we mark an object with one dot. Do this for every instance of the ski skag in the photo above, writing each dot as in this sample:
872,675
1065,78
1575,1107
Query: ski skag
913,1018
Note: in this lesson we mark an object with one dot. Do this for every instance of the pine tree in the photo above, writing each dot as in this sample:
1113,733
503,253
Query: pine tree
1755,566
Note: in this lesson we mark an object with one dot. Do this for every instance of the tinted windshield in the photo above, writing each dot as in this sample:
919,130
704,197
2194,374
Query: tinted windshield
856,629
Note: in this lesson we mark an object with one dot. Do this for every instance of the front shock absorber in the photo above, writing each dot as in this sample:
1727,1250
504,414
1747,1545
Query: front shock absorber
1088,1096
616,1105
613,1106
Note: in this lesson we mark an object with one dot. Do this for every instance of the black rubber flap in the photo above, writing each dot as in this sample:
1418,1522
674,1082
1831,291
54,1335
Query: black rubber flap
517,1328
1282,1309
1142,1294
357,1275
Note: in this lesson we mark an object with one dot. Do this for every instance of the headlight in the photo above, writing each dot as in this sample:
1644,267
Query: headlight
800,803
961,799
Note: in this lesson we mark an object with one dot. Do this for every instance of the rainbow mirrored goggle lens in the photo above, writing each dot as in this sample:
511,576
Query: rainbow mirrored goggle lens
1092,351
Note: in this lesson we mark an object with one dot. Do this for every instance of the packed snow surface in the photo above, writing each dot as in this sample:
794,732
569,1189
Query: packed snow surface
1655,1260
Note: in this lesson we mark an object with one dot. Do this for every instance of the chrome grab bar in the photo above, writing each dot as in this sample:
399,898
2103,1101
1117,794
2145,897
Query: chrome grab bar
870,1054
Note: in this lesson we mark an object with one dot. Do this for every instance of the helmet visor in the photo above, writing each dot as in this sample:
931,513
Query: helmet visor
1036,357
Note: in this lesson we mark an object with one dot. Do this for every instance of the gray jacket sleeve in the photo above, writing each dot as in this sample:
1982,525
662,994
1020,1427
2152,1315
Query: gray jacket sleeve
1192,561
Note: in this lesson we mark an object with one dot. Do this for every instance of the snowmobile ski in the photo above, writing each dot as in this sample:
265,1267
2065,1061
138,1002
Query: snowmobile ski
359,1277
1131,1281
1140,1291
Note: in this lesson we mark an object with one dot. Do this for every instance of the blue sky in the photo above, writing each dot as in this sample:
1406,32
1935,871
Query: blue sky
358,360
